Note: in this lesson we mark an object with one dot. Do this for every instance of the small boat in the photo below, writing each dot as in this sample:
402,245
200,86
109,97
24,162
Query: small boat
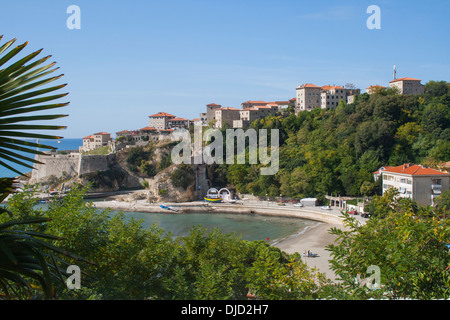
213,195
169,208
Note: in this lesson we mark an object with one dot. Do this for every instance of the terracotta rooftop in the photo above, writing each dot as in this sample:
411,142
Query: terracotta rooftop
309,85
227,108
162,114
413,170
404,79
91,137
213,104
332,87
101,133
148,129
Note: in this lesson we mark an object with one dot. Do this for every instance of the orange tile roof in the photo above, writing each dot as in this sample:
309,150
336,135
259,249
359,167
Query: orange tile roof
213,104
405,79
162,114
332,87
251,101
147,129
414,170
227,108
89,137
101,133
178,119
309,85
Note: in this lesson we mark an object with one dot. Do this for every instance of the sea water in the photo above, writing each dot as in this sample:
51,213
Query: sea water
245,226
61,145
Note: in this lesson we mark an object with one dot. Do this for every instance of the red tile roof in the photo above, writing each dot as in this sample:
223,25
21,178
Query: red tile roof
414,170
89,137
162,114
101,133
227,108
332,87
253,102
213,104
405,79
309,85
147,129
178,119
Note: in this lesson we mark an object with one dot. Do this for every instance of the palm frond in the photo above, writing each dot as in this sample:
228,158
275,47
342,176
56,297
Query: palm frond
23,93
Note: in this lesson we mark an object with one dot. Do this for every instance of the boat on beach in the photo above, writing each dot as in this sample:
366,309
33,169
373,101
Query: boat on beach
213,195
169,208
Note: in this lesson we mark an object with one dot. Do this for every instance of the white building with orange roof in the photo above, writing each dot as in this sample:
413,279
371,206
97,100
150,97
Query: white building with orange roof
417,182
310,96
160,120
407,85
95,140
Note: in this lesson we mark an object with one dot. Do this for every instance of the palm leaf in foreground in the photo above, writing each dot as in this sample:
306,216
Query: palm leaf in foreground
23,91
27,260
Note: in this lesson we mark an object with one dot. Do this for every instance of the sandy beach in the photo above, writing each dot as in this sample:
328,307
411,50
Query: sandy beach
315,239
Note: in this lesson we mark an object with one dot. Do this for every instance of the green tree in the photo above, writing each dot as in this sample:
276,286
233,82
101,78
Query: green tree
405,241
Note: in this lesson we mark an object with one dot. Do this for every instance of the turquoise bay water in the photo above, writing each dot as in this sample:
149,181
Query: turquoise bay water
62,145
247,227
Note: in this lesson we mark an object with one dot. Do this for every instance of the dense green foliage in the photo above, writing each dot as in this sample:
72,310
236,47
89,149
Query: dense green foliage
126,261
183,176
407,243
336,151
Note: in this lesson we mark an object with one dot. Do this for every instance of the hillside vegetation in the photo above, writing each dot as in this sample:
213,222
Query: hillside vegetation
336,151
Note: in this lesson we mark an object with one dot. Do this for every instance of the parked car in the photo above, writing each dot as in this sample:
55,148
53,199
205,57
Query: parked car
354,212
365,215
325,208
298,204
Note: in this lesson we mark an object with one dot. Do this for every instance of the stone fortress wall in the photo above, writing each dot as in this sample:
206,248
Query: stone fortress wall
69,165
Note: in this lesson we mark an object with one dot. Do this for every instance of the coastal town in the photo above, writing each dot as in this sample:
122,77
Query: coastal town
414,181
189,152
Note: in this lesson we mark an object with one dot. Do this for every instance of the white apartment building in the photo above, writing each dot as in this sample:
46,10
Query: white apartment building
95,141
416,182
408,85
309,96
160,120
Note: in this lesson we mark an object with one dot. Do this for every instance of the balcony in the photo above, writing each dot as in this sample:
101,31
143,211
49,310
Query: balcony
436,186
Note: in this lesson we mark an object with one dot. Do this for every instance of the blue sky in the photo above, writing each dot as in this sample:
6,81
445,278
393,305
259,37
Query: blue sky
131,59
